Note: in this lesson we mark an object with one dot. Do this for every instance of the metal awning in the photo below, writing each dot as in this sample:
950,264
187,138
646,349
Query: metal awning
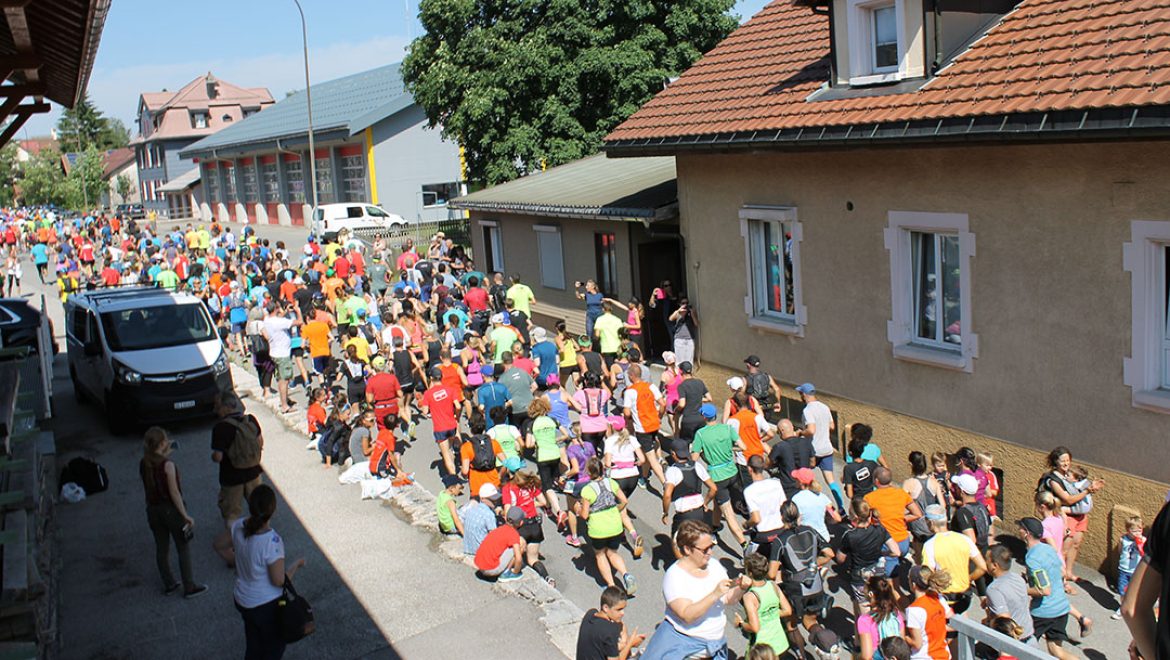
181,182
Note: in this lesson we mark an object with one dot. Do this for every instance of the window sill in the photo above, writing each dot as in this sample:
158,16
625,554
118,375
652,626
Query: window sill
935,357
776,326
876,79
1152,400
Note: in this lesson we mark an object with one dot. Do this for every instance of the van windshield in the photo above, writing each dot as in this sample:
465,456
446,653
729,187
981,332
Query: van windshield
157,327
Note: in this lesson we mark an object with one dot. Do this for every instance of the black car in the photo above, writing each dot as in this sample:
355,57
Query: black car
19,323
132,211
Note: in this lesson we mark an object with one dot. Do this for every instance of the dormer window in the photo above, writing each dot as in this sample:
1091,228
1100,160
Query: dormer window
877,42
198,120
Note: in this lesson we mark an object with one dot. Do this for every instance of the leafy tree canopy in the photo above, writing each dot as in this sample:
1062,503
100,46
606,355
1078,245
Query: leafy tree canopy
84,126
525,83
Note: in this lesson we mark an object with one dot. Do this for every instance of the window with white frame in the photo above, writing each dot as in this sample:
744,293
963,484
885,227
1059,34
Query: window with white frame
198,120
876,41
552,259
772,239
1147,258
930,289
493,248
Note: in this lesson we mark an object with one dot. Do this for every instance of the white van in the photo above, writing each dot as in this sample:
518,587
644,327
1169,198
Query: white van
329,219
146,355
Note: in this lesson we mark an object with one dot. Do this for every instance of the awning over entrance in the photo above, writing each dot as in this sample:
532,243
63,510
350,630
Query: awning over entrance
47,50
181,182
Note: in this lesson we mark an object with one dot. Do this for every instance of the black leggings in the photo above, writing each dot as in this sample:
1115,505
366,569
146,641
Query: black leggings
628,485
262,631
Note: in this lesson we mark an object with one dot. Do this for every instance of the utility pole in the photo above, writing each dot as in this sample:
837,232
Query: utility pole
309,106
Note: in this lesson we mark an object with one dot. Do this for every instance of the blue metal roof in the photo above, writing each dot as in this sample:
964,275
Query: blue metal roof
348,104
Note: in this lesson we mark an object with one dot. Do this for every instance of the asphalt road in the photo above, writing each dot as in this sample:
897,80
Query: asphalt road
362,541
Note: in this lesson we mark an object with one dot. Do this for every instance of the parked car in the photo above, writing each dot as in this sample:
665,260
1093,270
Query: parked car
133,211
20,323
329,219
146,355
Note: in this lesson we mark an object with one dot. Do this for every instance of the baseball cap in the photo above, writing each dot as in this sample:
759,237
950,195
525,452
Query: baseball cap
708,411
552,379
514,464
539,334
617,422
1033,526
668,357
736,383
752,360
681,448
497,318
686,367
436,373
378,362
488,492
804,475
806,388
451,480
487,370
935,512
515,515
966,483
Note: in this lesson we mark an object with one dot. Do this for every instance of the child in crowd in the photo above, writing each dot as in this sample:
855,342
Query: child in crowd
986,462
864,433
938,462
316,417
1005,625
1082,483
1133,547
446,510
504,433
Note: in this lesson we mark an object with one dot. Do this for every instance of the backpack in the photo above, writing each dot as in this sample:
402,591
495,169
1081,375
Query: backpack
801,547
889,626
455,337
87,473
606,500
760,386
246,447
982,520
484,458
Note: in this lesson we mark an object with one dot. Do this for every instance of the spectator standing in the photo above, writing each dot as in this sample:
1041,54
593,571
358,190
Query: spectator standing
234,436
276,331
166,513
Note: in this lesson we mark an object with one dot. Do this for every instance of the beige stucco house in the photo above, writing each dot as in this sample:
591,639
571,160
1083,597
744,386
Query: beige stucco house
956,224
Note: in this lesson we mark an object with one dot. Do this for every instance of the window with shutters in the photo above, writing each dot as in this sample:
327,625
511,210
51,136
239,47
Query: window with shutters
552,259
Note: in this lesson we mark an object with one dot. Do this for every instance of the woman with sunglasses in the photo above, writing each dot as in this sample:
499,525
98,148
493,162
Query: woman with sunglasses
697,592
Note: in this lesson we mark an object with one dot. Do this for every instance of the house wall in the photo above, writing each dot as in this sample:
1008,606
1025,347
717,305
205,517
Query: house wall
521,256
408,155
1051,300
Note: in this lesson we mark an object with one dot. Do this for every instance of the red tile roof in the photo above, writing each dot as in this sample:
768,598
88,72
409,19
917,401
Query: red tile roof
1047,55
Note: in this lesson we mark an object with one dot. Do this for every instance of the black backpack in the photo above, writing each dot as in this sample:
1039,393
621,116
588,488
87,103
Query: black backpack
87,473
801,548
982,519
760,386
484,458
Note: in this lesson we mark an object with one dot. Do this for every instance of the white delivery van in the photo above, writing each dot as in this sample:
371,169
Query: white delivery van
147,355
329,219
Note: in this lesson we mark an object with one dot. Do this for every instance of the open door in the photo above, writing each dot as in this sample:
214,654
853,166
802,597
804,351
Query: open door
658,260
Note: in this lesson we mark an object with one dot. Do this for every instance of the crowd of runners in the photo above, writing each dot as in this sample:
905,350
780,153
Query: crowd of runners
542,433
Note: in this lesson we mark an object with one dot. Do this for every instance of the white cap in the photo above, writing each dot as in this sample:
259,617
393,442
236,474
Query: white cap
966,483
735,383
497,318
668,357
488,491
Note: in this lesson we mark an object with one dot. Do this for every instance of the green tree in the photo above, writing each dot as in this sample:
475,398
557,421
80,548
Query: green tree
84,126
84,184
42,181
525,83
9,170
124,186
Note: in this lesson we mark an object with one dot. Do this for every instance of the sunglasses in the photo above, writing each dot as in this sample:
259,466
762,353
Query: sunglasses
705,550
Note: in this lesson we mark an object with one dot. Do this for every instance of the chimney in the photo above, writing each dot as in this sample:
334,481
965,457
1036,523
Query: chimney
212,85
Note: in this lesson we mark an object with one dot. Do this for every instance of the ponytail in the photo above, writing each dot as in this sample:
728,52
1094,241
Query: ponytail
261,506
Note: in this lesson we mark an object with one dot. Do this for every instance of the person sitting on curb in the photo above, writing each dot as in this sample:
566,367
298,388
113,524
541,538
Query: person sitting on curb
501,555
450,524
479,518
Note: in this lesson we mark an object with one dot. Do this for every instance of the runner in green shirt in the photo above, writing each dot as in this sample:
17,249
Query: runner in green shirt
716,444
601,507
765,607
521,296
166,277
606,327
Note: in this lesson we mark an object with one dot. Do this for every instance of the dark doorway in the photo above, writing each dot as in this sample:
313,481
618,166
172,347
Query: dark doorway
657,261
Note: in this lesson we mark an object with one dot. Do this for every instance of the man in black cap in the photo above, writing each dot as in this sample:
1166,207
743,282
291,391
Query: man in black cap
763,388
692,393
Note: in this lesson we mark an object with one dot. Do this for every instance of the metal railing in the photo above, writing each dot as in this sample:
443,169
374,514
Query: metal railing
456,229
972,632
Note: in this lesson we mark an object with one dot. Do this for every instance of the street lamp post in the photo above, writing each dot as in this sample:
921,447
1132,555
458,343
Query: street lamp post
309,106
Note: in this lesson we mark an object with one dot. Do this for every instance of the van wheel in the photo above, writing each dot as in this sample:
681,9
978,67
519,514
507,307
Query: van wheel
116,418
78,393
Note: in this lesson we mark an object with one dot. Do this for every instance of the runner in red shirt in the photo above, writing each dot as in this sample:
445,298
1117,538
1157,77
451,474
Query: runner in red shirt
476,296
502,551
439,402
384,393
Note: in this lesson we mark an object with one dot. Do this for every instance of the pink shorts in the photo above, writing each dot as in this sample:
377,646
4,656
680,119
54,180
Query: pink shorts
1078,522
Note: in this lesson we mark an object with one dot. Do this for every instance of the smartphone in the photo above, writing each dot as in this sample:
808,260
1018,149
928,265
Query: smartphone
188,532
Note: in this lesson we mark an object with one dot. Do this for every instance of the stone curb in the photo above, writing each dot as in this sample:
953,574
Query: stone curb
561,618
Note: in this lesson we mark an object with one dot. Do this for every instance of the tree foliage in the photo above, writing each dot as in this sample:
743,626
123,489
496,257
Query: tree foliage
83,187
84,126
42,180
124,186
525,83
9,170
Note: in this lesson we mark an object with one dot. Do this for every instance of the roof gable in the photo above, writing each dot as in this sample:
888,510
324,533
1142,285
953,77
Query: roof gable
1046,56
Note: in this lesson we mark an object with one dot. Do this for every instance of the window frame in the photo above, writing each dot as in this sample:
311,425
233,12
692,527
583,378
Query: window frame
786,324
452,191
900,329
605,259
1146,371
199,117
939,262
493,257
862,26
546,230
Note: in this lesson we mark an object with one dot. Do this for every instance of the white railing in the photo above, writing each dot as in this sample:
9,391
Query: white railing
972,632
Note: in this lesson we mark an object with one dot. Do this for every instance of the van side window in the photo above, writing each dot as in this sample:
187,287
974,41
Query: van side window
78,326
91,321
353,211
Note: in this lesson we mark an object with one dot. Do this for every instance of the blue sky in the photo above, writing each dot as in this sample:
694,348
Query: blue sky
149,46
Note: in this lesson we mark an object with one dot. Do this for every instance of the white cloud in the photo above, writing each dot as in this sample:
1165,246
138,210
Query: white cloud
115,91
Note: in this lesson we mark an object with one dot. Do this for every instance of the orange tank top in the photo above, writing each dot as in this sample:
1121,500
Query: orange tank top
936,626
647,411
451,379
749,433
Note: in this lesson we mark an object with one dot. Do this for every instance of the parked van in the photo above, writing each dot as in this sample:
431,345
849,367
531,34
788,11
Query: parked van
146,355
329,219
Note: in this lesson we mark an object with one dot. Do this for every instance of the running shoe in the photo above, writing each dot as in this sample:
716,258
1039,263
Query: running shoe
551,582
1116,616
642,483
198,591
509,576
574,541
639,547
630,584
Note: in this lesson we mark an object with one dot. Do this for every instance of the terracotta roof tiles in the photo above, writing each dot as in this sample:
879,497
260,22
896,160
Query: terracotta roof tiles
1046,55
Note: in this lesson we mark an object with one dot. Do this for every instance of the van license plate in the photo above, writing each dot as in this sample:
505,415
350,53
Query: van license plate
180,405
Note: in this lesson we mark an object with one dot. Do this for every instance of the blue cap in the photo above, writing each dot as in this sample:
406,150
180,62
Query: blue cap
486,370
514,464
708,411
807,388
